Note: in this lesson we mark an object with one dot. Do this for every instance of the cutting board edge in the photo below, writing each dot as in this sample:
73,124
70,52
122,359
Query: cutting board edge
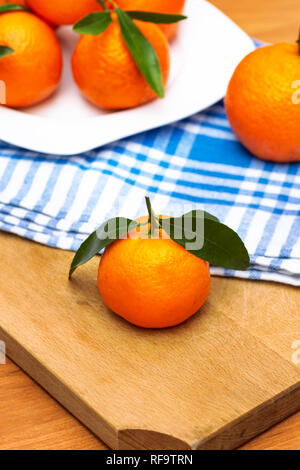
258,420
115,439
59,391
254,422
229,437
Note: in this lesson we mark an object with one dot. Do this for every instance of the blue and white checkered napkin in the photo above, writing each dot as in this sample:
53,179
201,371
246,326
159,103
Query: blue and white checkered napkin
193,163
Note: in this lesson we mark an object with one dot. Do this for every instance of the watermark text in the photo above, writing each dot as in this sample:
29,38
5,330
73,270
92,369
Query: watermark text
296,354
2,352
296,94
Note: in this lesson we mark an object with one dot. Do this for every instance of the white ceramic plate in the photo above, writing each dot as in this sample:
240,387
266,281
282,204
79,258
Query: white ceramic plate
204,56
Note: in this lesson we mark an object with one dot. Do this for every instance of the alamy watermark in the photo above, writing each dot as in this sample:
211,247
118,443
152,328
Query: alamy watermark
188,228
296,354
2,353
2,92
296,94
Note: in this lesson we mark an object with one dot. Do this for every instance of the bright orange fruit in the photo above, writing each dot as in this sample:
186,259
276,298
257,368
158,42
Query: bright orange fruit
62,12
152,283
261,102
174,7
24,4
32,72
106,73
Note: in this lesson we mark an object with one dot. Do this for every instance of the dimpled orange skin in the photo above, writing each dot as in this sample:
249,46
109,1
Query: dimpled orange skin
63,12
32,72
106,73
152,283
259,103
174,7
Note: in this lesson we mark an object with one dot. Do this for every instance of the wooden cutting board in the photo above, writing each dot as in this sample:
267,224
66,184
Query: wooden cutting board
216,381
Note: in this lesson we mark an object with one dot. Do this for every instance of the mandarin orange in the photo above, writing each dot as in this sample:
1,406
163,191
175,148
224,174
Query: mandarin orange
262,105
32,72
63,12
152,282
106,73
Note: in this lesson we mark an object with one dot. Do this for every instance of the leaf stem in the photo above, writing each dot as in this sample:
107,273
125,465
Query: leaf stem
103,4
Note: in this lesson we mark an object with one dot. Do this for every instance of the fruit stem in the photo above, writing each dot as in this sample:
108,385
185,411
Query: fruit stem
149,208
152,218
113,3
298,42
102,3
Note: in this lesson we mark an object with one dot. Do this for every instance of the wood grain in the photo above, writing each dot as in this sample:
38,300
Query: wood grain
227,373
31,419
267,20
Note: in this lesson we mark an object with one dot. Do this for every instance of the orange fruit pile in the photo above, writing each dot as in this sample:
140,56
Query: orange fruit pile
106,73
32,72
260,105
103,67
152,282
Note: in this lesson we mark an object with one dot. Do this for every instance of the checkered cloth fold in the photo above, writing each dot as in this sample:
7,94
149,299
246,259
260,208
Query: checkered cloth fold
194,163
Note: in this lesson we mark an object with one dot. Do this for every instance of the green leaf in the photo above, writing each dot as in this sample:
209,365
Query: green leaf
160,18
12,7
204,236
5,51
142,52
109,232
201,214
93,24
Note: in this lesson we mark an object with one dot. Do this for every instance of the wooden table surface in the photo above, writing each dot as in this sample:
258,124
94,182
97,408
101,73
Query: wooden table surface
30,418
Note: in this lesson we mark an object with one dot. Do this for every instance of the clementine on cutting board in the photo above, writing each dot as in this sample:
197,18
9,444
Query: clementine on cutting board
32,71
106,73
63,12
152,282
150,273
174,7
260,105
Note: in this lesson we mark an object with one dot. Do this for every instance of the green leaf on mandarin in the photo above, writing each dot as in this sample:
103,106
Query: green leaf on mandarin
142,52
5,51
106,234
12,7
93,24
214,242
159,18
